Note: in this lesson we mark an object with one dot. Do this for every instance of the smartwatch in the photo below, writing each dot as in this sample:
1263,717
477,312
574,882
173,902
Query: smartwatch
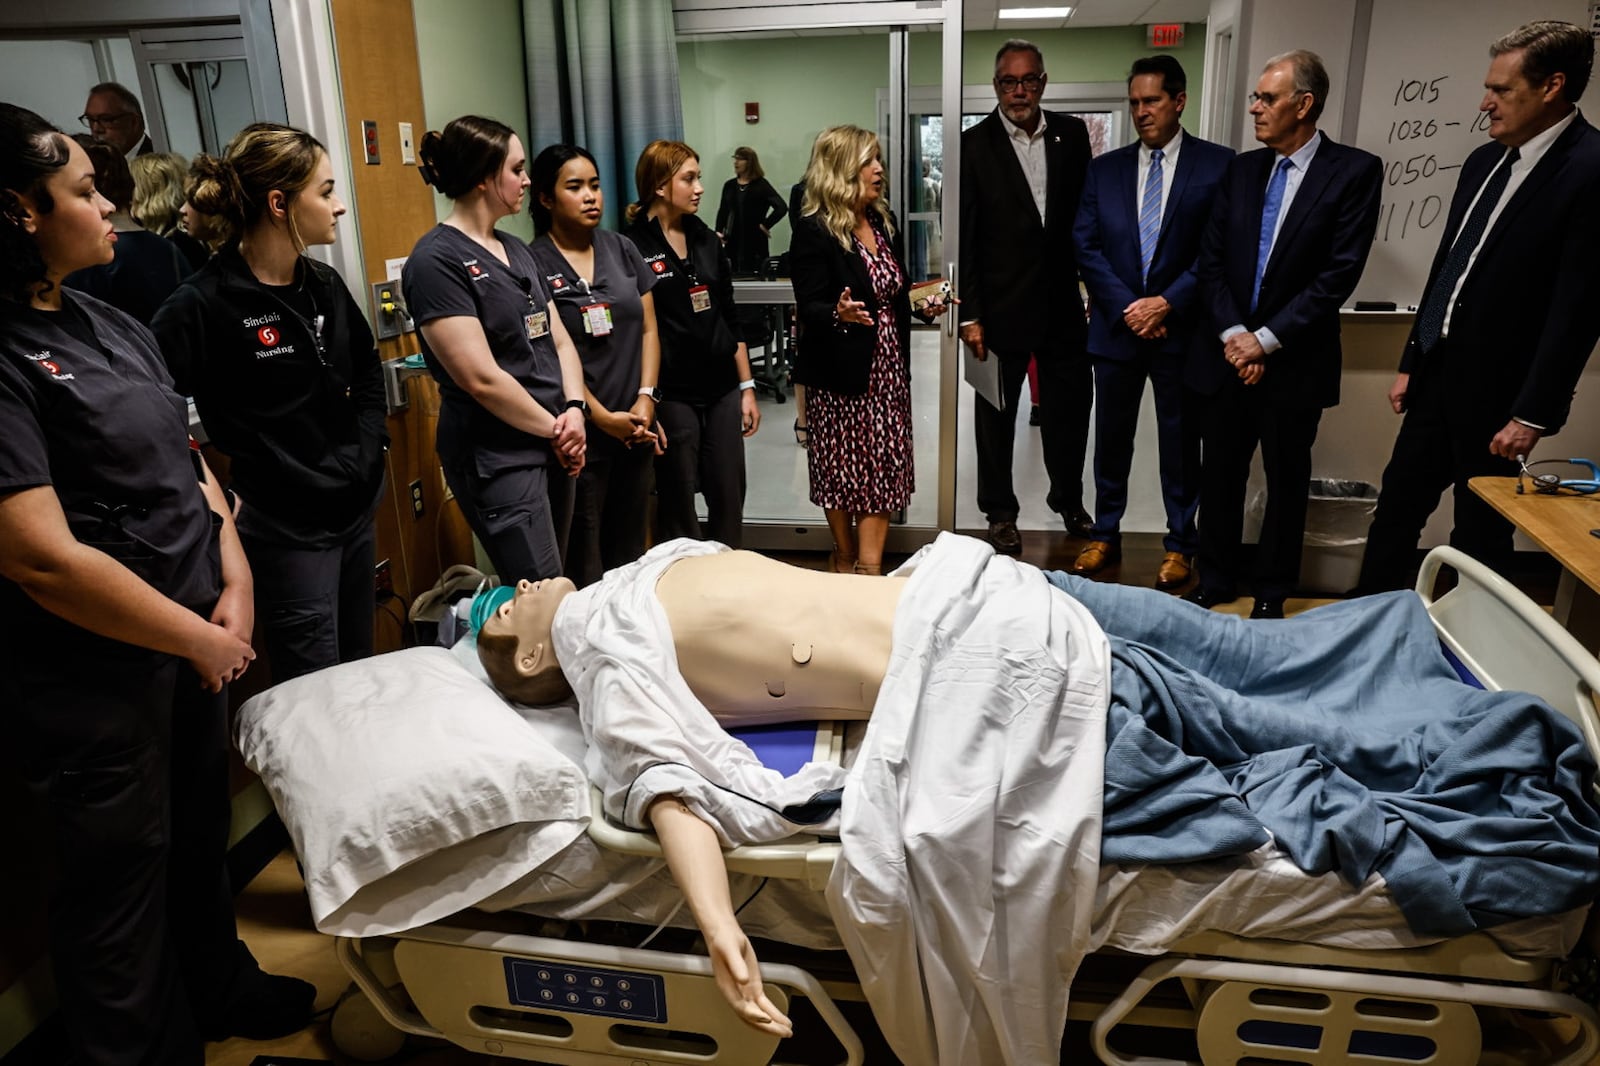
580,405
651,391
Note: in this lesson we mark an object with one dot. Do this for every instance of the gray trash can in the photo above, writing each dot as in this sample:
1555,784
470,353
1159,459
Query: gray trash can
1338,513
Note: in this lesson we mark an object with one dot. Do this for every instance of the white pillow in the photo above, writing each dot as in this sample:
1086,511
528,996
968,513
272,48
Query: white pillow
409,788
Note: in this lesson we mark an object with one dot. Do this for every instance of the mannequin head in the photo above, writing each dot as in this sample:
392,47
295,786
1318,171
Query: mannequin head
515,648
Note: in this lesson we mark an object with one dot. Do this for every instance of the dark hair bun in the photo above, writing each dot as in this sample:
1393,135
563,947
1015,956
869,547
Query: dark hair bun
214,190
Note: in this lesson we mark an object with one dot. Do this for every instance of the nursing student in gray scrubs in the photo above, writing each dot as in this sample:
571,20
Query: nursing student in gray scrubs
601,289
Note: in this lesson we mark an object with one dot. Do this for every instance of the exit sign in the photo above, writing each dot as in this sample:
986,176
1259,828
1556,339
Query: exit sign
1165,34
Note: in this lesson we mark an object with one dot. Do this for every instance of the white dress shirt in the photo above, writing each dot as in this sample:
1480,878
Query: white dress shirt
1169,167
1299,163
1532,152
1030,153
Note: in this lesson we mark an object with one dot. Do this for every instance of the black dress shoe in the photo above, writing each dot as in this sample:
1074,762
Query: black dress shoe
1209,598
1267,609
265,1006
1079,524
1004,538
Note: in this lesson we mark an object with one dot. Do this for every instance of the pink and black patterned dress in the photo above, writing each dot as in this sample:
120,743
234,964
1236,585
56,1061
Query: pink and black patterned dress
860,456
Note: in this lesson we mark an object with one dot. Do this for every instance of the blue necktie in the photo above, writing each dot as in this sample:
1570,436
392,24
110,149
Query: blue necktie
1430,320
1269,224
1150,215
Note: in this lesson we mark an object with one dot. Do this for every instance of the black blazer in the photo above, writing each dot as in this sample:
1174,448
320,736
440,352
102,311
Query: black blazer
1321,250
838,355
1019,276
1525,322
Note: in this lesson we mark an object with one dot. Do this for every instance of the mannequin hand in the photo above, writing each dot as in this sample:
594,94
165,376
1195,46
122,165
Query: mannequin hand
850,310
236,612
219,657
739,981
749,412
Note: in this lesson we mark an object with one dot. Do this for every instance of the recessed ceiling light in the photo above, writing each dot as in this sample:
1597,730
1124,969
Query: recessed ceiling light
1034,12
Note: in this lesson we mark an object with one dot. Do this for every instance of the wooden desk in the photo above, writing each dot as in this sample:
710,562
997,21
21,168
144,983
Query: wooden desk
1560,525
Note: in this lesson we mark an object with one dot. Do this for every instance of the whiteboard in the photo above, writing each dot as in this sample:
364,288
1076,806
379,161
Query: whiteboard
1420,90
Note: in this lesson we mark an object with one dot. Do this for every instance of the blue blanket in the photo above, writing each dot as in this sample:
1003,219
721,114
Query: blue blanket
1346,734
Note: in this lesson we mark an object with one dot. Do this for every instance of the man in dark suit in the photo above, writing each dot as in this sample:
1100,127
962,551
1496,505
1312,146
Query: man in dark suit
1508,317
1138,233
113,115
1021,175
1288,238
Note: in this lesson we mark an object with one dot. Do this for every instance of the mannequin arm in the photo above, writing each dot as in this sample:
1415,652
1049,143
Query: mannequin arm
695,859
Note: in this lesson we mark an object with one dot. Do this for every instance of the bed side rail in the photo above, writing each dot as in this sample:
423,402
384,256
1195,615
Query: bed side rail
800,858
1509,642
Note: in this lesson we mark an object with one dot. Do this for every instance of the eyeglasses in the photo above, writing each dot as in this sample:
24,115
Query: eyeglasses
1031,82
91,121
1269,99
1554,484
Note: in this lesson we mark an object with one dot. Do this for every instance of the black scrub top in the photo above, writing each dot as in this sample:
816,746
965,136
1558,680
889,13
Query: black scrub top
449,274
697,347
88,409
611,361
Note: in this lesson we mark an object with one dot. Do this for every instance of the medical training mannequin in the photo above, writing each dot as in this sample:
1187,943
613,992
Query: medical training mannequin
818,647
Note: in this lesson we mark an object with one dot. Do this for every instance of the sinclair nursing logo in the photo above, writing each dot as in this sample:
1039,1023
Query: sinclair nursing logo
474,271
47,360
268,334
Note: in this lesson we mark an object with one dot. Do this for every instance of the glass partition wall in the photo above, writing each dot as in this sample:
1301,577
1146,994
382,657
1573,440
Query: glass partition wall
771,78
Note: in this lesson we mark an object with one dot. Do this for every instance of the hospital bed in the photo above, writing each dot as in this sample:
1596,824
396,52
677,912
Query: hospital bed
1339,979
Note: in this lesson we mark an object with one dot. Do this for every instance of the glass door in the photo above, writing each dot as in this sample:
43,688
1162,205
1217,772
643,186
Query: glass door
200,86
771,78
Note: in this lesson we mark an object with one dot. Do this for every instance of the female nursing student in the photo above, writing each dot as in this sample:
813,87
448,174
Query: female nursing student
511,431
125,610
749,209
602,290
855,348
286,379
708,399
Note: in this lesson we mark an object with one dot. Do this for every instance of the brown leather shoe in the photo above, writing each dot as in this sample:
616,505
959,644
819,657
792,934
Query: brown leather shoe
1175,570
1096,556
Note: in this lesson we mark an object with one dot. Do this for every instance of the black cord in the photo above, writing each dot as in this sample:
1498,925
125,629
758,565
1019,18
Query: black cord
753,895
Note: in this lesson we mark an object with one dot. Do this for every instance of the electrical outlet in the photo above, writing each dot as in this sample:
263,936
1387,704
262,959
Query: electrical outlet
382,580
416,498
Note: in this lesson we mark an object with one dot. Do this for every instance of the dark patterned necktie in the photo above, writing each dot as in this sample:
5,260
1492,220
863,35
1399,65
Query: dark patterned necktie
1430,320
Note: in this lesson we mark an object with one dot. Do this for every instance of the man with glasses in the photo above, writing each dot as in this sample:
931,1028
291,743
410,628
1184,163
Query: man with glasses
114,116
1287,241
1138,233
1507,319
1022,172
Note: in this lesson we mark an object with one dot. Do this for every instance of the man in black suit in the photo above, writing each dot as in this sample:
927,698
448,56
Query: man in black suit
1138,234
1508,317
1289,236
1021,174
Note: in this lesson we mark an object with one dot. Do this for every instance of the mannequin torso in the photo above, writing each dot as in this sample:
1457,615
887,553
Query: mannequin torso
757,640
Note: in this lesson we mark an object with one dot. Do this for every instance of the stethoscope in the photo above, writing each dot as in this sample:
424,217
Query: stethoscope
1551,484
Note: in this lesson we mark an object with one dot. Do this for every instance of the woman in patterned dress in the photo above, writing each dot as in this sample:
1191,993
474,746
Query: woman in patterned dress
850,287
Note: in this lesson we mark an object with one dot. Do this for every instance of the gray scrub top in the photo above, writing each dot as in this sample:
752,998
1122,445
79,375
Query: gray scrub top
610,362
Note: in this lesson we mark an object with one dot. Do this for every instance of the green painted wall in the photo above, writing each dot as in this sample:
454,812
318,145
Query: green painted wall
805,84
473,63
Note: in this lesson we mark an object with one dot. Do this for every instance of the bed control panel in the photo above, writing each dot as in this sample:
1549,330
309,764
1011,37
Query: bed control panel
636,997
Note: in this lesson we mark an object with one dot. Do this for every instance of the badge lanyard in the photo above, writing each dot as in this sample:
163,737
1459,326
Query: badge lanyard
699,294
535,324
596,315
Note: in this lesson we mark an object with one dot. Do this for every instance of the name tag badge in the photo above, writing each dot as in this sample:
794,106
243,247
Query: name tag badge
537,323
700,298
596,319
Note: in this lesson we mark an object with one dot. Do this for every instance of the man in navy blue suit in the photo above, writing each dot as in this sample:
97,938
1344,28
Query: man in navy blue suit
1143,212
1508,317
1287,241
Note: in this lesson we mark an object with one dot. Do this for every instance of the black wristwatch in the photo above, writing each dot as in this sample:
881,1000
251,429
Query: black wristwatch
581,405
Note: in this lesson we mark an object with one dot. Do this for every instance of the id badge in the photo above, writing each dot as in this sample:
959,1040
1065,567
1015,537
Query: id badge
596,319
700,298
537,324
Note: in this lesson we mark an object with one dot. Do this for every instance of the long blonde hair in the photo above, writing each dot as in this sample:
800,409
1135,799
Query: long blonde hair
158,190
833,180
659,161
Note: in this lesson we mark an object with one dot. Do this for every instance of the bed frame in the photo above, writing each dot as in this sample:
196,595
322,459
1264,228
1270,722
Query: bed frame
574,1003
